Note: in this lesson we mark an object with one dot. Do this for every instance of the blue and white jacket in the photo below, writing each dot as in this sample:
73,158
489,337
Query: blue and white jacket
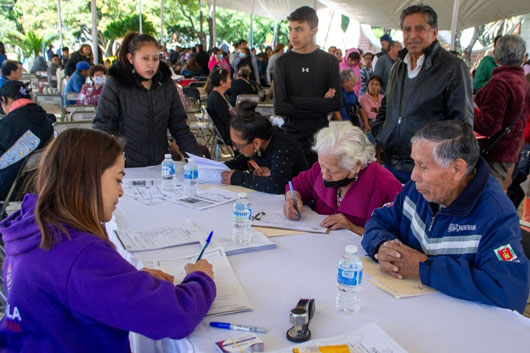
473,245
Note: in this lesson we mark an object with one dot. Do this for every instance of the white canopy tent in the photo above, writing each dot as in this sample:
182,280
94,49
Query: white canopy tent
385,13
452,14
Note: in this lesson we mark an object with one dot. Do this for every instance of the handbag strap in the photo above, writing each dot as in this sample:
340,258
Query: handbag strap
503,133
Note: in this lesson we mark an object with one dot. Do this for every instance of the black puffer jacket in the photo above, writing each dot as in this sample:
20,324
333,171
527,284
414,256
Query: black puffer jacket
143,116
442,90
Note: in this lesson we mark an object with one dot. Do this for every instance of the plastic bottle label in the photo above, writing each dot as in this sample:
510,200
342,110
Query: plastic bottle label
191,174
242,215
168,168
349,278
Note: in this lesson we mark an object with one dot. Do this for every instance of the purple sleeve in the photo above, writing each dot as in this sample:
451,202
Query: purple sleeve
304,183
104,287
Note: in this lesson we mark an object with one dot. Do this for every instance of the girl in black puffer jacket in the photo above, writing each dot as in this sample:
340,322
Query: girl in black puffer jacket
140,102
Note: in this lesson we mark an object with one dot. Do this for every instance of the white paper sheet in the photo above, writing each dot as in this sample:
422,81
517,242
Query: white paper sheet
223,240
209,170
160,237
208,198
368,339
310,221
231,297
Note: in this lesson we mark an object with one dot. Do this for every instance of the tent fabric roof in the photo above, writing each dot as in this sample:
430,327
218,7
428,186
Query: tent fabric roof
385,13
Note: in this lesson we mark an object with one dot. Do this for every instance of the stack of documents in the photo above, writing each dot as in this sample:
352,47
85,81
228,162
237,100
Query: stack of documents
399,288
368,339
209,170
309,222
231,298
258,242
159,237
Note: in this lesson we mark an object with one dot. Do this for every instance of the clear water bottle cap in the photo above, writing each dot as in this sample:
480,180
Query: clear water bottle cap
167,156
242,195
351,249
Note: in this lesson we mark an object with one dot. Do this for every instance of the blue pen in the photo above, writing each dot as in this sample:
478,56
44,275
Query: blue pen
228,326
205,246
294,199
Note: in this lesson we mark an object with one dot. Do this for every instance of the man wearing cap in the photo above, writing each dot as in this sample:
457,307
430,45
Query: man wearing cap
77,80
385,40
426,84
25,128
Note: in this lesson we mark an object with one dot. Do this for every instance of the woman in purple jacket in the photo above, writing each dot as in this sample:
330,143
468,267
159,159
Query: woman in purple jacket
346,183
68,289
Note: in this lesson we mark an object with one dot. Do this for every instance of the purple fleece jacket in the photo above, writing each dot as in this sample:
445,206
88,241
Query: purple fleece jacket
82,296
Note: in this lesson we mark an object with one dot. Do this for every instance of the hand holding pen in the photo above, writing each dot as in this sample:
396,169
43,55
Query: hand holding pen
202,265
293,204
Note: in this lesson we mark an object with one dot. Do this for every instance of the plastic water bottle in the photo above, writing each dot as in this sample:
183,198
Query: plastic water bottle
242,217
349,281
191,176
168,168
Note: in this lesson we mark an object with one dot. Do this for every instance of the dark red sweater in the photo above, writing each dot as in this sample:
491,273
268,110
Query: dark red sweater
500,101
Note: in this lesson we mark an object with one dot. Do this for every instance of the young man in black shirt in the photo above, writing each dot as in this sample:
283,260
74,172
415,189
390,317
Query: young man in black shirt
306,82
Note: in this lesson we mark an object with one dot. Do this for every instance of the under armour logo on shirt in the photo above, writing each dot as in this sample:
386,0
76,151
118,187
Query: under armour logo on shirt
305,69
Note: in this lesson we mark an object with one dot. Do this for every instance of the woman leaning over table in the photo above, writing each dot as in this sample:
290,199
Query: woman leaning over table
268,158
140,103
346,183
68,289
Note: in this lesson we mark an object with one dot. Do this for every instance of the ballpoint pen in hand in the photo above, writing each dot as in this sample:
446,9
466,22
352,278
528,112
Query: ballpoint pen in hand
205,246
294,199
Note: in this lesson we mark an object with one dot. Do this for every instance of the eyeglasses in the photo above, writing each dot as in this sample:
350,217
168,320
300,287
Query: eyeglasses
237,147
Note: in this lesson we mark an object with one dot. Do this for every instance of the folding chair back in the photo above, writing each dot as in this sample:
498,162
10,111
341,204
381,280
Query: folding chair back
199,84
80,115
83,124
244,97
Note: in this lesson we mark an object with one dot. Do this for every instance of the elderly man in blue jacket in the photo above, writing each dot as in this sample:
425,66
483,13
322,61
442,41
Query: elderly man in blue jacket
452,225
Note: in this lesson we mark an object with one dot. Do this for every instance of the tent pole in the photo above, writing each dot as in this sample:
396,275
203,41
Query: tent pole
275,37
60,26
161,21
214,27
315,4
140,15
95,47
456,6
250,39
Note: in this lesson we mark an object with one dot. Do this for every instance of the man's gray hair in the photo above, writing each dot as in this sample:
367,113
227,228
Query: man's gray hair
347,141
431,17
510,50
346,74
453,139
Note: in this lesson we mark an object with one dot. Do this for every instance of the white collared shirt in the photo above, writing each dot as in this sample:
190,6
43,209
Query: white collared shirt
419,63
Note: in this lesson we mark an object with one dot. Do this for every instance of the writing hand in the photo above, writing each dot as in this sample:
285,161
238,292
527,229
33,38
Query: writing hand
226,176
202,266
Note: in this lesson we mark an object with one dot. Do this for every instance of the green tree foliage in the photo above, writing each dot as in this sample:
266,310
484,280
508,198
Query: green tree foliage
118,29
30,43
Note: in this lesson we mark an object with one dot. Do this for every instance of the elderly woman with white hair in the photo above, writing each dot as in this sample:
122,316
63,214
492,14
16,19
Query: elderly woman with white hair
346,183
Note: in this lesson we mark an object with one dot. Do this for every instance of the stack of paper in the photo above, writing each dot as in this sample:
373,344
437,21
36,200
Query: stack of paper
208,198
368,339
209,170
399,288
231,297
258,242
160,237
309,222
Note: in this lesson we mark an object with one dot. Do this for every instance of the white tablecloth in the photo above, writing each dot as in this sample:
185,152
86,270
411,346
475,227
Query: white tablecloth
304,266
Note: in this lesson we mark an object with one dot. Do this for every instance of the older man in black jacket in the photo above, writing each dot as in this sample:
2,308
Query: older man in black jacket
426,84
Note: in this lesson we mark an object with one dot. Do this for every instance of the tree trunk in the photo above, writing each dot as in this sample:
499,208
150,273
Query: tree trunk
477,31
